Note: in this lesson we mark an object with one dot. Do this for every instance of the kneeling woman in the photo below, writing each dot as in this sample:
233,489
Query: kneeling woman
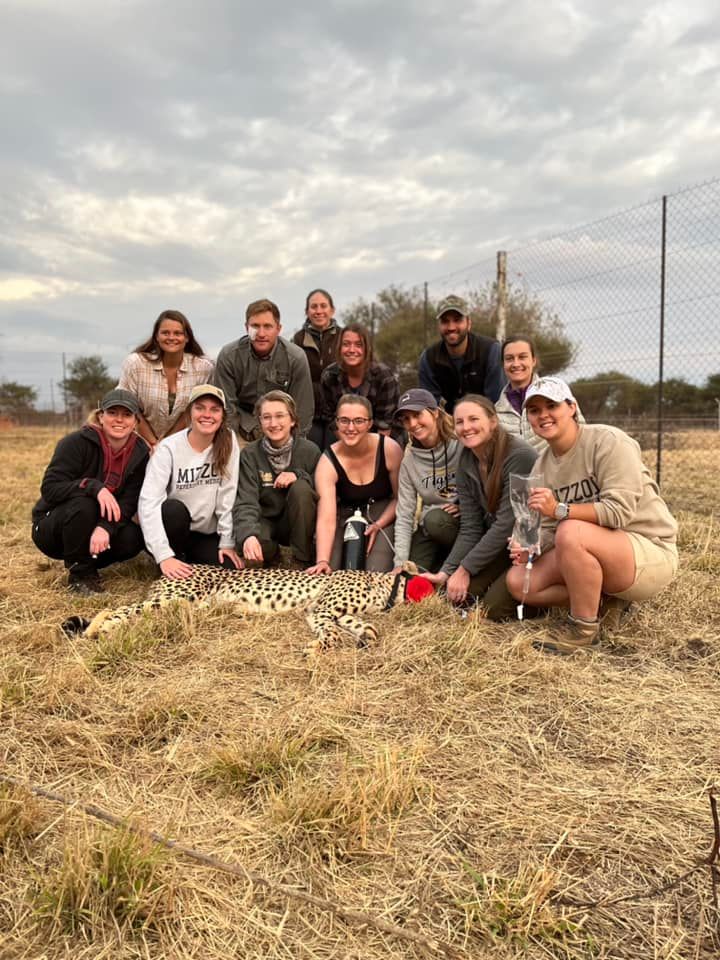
89,494
427,473
606,528
276,501
478,562
358,471
187,498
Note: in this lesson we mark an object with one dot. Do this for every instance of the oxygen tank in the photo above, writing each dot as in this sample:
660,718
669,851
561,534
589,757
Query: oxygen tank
354,542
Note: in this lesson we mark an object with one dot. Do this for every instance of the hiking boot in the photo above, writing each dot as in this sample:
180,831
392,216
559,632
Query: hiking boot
571,636
611,613
85,584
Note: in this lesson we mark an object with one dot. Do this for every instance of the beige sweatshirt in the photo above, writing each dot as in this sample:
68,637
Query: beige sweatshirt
605,468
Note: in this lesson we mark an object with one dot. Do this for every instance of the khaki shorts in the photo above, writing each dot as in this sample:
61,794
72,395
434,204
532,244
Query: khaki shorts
655,566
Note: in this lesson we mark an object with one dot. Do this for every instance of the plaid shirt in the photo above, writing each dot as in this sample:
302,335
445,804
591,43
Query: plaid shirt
146,379
379,386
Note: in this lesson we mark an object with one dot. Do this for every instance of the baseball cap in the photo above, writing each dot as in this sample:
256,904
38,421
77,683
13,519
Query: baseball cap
452,303
552,388
207,390
121,398
416,400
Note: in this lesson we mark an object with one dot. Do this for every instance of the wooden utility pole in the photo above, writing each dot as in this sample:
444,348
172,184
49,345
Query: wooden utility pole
501,324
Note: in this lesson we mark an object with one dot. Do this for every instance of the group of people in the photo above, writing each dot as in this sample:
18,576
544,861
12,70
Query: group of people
281,443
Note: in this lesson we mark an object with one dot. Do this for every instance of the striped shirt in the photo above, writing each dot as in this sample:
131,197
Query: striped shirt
146,379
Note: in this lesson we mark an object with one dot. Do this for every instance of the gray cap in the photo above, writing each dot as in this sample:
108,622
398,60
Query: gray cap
452,303
552,388
121,398
416,400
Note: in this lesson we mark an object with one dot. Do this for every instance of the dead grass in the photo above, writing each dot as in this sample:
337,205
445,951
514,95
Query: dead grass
450,781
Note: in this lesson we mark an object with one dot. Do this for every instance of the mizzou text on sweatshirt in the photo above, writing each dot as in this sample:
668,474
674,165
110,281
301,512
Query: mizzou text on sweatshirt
605,468
177,471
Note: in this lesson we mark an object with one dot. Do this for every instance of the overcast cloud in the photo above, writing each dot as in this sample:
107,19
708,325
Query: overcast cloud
161,154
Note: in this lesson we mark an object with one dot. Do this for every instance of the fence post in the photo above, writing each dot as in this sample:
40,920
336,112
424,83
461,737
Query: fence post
426,313
661,358
501,296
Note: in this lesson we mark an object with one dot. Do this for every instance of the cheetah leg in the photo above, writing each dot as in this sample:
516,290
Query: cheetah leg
326,633
365,633
332,631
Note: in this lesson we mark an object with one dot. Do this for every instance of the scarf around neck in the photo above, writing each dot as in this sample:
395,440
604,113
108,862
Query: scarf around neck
279,457
114,461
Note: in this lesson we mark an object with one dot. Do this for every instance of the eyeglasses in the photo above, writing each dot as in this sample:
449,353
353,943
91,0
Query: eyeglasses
357,422
270,417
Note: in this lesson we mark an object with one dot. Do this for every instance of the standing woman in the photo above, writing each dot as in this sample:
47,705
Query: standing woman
520,363
428,473
162,372
89,494
606,529
479,560
355,372
358,471
318,338
187,498
276,501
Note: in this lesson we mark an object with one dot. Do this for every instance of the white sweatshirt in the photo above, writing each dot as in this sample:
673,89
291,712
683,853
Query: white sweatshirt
177,471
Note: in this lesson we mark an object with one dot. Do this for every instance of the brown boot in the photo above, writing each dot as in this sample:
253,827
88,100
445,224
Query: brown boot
611,613
571,636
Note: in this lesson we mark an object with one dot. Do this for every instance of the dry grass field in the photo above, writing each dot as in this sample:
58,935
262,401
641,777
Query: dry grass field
467,796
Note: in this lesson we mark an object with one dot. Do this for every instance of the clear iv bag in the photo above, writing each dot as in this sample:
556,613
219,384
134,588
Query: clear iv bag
526,532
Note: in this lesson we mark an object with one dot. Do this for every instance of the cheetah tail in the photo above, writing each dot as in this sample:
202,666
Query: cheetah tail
74,625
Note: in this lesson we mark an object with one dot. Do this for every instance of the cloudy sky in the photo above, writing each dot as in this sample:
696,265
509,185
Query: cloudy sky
200,156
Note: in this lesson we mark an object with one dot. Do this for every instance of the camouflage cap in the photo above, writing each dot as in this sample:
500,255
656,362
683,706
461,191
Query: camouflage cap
457,304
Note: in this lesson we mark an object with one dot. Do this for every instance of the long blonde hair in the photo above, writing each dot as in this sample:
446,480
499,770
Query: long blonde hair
496,449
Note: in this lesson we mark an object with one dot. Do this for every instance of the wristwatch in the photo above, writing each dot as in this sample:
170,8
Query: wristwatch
561,511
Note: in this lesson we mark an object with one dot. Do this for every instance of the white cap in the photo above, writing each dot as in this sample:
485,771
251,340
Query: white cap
552,388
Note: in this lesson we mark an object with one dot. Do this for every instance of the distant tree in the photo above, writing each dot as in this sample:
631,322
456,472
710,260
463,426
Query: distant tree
398,319
683,399
613,394
16,399
711,389
88,379
526,313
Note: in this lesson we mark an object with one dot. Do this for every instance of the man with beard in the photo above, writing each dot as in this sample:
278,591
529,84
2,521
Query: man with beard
261,361
460,362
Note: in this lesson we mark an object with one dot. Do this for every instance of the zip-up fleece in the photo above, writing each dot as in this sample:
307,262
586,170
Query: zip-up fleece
76,470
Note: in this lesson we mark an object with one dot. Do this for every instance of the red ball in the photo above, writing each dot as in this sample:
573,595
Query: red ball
417,589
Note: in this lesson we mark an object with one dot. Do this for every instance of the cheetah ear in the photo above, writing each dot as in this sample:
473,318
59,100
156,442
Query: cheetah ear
411,568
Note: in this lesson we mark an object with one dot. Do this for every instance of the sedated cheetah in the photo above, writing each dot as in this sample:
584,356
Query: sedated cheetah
331,603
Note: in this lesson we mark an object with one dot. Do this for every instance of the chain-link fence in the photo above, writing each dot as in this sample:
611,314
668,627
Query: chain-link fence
635,298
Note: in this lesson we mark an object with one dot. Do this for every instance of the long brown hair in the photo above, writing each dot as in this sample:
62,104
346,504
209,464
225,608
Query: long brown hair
361,332
152,349
222,444
495,452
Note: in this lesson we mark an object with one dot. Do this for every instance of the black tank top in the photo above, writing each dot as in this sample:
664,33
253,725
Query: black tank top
356,494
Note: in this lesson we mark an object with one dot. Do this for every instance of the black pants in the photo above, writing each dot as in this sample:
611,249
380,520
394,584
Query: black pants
186,544
64,534
294,527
